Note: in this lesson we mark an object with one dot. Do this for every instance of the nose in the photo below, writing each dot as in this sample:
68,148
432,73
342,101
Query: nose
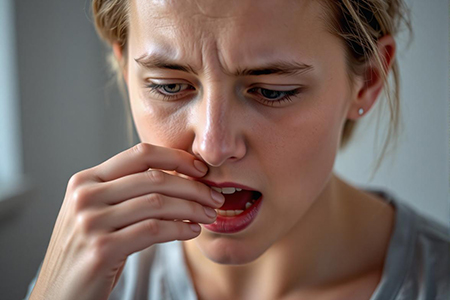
218,127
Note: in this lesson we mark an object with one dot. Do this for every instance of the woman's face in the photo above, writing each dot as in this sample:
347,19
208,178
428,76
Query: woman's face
256,89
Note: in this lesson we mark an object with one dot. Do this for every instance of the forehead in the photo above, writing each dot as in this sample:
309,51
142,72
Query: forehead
244,31
221,10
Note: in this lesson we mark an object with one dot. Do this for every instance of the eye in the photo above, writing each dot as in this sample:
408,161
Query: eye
271,94
169,91
273,97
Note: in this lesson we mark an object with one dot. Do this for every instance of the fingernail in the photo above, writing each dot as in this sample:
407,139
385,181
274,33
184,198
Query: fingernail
210,212
217,197
195,227
200,166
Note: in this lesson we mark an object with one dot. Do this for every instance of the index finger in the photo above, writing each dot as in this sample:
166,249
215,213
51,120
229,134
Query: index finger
143,156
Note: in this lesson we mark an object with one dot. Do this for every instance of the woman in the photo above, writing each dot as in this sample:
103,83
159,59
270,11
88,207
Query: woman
241,107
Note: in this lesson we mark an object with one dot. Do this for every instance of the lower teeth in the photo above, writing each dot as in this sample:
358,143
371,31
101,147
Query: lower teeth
228,213
232,213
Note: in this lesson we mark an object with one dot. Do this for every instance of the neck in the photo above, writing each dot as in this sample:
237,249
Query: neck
322,250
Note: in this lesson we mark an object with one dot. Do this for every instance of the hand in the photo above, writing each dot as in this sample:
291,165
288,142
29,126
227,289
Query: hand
118,208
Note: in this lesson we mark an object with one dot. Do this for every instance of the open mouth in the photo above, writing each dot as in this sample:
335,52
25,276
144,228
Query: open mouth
241,207
236,200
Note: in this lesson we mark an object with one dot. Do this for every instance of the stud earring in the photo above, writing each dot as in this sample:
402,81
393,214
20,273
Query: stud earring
360,111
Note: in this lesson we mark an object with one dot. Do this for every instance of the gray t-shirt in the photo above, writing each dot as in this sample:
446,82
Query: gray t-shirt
417,265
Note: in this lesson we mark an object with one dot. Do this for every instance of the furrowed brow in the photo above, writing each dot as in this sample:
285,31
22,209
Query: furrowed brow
279,68
161,62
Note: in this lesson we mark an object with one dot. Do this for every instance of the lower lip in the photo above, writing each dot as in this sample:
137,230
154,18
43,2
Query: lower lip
237,223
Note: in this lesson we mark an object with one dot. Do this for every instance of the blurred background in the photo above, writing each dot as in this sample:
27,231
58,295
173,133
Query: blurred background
60,112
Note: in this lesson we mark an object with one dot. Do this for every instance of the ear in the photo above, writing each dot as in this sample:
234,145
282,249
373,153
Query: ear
368,89
117,50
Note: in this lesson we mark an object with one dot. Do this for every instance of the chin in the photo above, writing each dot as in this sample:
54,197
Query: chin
228,250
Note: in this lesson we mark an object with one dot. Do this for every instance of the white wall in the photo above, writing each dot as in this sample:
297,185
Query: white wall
10,148
67,124
418,172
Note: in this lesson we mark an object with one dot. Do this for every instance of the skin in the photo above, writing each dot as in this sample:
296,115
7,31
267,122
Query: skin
286,151
315,236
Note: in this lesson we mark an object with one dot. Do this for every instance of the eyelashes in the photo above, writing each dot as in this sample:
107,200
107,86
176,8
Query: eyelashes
168,91
272,97
174,91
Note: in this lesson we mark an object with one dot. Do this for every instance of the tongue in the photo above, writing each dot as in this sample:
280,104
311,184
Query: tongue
237,200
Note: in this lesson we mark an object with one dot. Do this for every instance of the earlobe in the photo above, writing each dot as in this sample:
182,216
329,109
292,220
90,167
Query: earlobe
117,50
373,83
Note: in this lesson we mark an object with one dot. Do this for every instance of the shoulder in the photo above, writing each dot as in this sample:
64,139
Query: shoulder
433,251
427,271
432,231
417,264
431,237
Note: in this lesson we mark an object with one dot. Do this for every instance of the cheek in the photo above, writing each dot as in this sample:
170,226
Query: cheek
303,151
160,123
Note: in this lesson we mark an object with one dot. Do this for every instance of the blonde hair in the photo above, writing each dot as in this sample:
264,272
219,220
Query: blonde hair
360,23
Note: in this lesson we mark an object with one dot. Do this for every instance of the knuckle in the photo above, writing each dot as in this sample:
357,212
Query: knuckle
180,155
100,244
193,208
155,201
200,189
82,196
77,179
142,149
85,222
100,250
181,228
156,177
152,226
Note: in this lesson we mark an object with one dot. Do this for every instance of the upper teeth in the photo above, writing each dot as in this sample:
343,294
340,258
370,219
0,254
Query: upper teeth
226,190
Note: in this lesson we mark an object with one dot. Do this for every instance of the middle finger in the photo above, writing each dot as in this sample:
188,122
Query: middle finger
155,181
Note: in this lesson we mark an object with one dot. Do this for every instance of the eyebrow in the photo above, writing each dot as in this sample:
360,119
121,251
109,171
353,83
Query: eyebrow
277,67
160,62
